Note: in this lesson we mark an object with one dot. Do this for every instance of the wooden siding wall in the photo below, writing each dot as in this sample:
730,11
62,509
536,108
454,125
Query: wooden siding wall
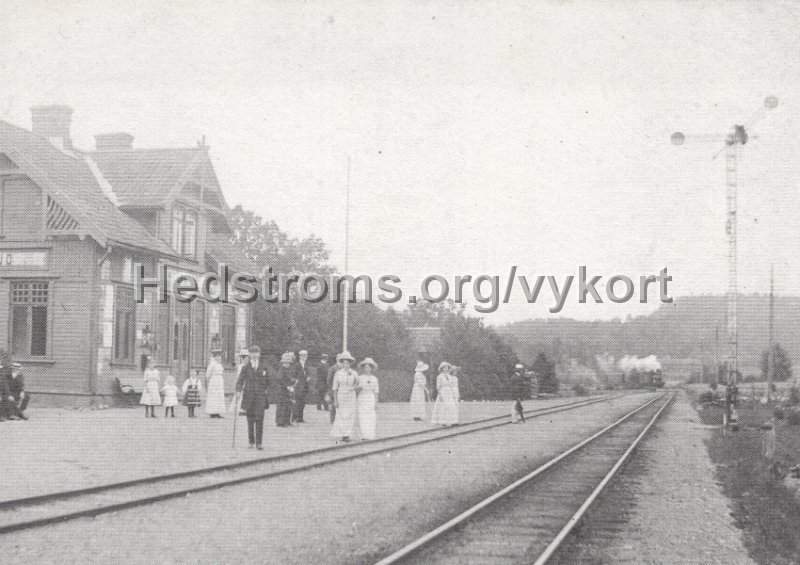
65,368
22,209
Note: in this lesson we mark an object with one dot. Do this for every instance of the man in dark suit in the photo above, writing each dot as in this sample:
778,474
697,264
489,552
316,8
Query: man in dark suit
284,390
302,371
252,384
321,382
16,398
329,383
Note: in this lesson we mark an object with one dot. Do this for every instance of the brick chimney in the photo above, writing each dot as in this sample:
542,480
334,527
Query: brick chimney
53,123
113,141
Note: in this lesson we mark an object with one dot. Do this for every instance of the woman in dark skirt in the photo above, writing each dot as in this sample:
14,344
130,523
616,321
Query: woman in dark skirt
192,387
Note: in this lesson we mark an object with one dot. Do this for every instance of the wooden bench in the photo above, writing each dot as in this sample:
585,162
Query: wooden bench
130,385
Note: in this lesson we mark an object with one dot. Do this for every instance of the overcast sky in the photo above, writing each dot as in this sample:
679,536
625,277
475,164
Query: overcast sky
481,134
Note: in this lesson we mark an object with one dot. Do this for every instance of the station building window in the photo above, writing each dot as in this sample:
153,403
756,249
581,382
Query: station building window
29,318
184,232
124,325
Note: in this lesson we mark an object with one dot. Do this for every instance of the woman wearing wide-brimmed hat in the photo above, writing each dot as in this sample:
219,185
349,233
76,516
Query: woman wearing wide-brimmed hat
445,409
215,386
368,390
345,383
419,393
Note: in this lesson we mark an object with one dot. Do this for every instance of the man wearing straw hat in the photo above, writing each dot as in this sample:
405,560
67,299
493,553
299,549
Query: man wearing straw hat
252,384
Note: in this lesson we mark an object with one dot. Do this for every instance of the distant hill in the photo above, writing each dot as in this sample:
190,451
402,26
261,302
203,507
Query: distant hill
683,329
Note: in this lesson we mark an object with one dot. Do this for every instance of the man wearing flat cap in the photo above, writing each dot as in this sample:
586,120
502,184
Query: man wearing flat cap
252,384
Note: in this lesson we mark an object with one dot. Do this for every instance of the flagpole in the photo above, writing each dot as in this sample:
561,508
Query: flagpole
346,255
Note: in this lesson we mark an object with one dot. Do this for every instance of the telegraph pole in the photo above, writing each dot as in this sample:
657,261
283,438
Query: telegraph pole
346,257
770,351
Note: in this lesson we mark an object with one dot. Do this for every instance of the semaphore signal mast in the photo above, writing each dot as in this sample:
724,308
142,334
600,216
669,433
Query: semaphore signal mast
738,136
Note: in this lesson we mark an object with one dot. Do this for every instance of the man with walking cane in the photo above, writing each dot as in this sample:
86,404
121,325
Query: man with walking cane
252,385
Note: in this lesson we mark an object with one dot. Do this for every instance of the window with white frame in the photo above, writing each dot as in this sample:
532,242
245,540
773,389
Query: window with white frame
30,324
184,231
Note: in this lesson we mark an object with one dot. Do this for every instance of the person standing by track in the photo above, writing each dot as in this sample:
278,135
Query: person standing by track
321,382
329,383
345,383
368,391
444,409
284,382
151,396
252,386
419,393
215,386
519,392
302,373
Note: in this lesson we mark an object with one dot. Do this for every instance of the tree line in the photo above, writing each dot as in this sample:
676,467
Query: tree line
486,359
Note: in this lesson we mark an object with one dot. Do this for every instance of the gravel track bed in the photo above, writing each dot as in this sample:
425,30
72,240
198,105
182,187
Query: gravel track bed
665,506
347,513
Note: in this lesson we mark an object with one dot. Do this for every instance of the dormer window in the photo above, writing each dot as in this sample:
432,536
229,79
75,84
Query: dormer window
184,232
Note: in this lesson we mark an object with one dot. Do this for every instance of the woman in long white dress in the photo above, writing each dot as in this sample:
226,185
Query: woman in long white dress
456,390
368,390
345,383
419,393
215,386
444,409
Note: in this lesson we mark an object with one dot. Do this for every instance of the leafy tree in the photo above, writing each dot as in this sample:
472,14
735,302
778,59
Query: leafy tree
782,370
487,361
545,371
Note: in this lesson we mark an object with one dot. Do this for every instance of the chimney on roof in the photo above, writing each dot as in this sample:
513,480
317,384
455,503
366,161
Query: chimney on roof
113,141
53,123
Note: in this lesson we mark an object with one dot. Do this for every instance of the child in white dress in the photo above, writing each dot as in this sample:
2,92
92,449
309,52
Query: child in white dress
170,391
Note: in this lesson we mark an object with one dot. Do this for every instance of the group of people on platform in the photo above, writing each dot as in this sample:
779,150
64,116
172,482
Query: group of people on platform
348,391
13,397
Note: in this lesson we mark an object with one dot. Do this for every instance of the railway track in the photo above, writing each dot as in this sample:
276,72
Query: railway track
530,519
42,510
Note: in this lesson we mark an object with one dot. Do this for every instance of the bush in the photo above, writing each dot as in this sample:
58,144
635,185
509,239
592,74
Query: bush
794,397
793,417
706,397
580,390
779,413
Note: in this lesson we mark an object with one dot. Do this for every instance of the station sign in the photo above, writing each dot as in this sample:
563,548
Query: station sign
23,258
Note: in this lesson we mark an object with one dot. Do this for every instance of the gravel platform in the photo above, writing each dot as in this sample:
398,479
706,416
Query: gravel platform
81,448
664,507
352,512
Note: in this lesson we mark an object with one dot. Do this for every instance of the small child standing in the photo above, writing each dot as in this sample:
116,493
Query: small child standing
191,393
170,391
151,397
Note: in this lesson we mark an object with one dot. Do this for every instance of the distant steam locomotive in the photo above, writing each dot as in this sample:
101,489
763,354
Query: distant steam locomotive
642,379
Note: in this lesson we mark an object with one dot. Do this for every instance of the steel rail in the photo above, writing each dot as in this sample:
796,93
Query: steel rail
411,548
64,495
545,556
106,508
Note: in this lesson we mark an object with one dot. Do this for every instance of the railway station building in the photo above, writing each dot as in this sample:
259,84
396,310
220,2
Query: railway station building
73,223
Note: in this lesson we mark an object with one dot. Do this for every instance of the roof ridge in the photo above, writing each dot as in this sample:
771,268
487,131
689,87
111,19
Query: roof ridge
142,150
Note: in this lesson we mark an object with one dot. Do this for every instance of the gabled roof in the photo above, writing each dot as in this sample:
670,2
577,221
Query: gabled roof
146,177
68,177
